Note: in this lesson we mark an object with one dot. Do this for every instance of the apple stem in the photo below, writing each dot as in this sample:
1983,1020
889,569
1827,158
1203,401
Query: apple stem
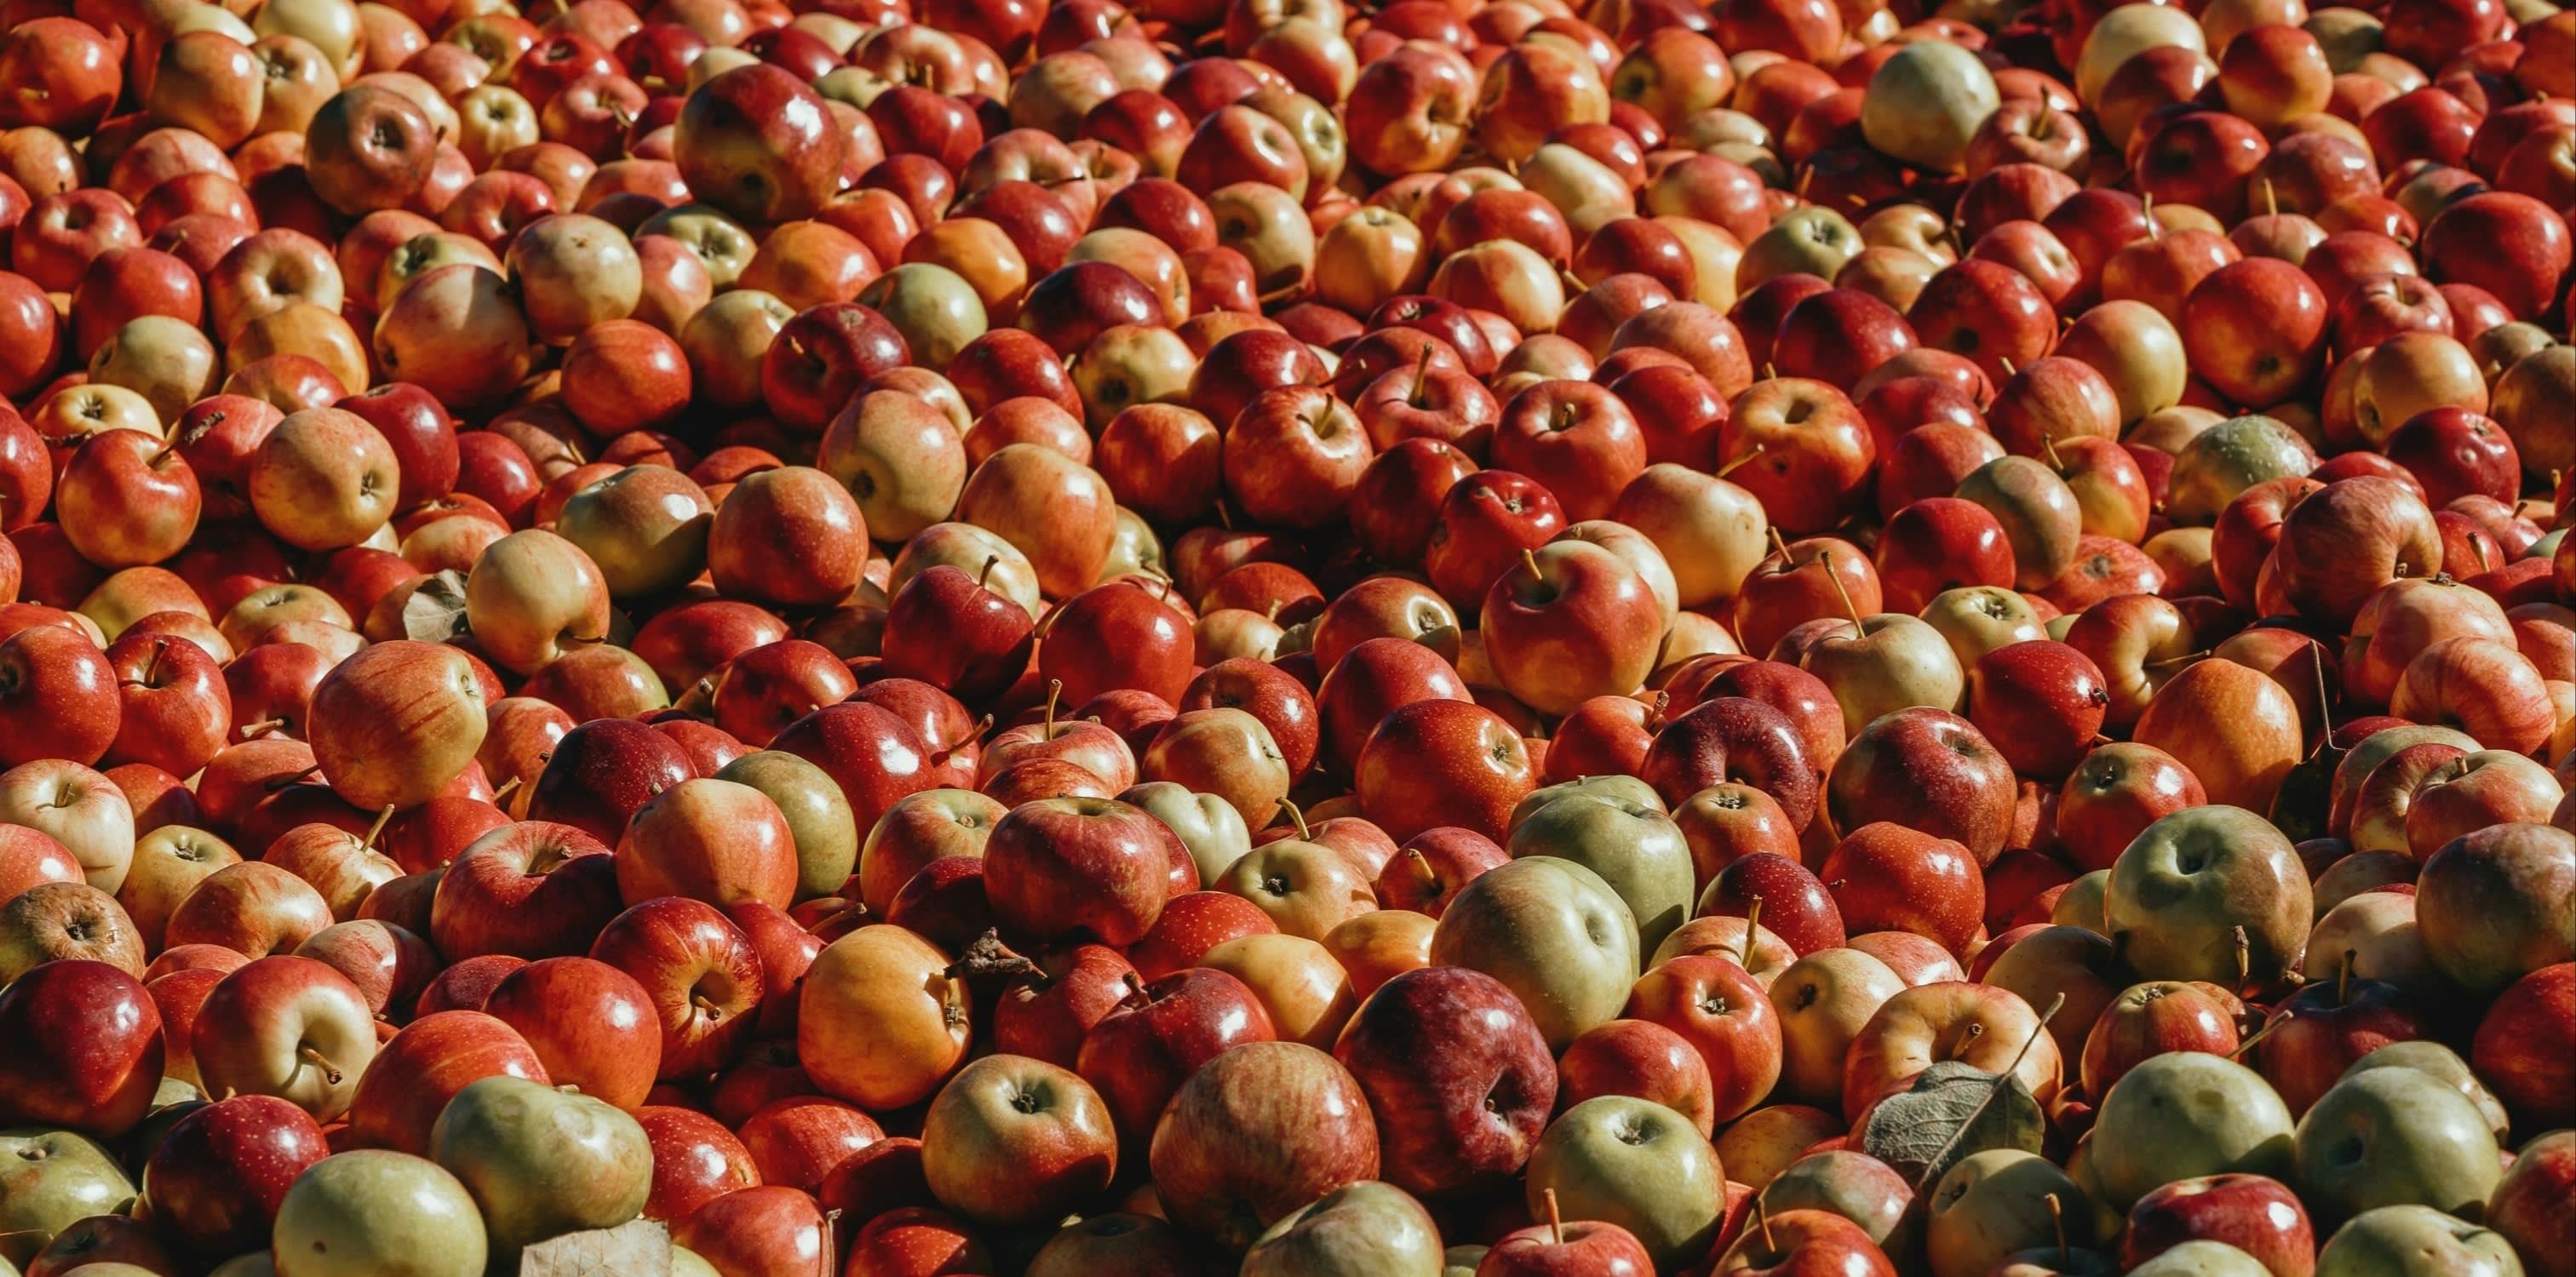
1423,863
507,788
1055,689
1781,544
2279,1018
1770,371
831,1240
1752,926
377,829
1762,1221
1555,1220
1421,378
1529,559
1849,610
276,783
2057,1218
1296,817
2244,957
986,573
1739,463
2147,210
2048,444
2325,700
249,730
982,725
1655,712
330,1073
2343,978
2007,363
2184,659
2271,205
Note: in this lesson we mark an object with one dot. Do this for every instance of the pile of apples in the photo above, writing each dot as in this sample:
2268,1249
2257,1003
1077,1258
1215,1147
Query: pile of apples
1450,638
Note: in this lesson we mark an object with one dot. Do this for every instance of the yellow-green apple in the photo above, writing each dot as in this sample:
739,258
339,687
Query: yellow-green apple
510,1142
1636,1164
375,1210
2180,1115
1554,933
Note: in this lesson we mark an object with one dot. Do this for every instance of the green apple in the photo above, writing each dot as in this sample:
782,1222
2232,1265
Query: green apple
2228,458
687,1263
1923,105
1367,1229
934,308
2185,1114
1208,825
1995,1203
542,1162
1636,848
817,811
1634,1163
1556,935
2415,1241
2396,1137
1461,1261
49,1180
2081,905
1623,788
374,1213
2426,1056
2179,896
2202,1258
1811,238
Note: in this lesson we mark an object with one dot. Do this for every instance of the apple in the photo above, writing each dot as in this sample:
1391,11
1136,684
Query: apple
1448,1123
1635,1164
502,1137
1553,932
375,1209
1260,1130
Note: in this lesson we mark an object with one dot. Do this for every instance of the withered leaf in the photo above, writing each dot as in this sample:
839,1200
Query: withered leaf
435,612
638,1248
1946,1115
